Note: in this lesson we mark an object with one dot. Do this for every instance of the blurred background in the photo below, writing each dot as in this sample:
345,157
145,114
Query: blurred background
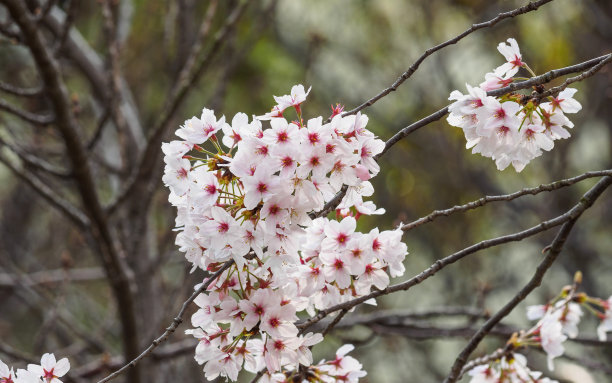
54,289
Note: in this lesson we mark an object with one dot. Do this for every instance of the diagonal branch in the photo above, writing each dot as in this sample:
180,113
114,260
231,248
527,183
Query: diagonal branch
21,92
589,65
506,197
584,203
532,6
73,213
26,116
173,326
149,161
553,252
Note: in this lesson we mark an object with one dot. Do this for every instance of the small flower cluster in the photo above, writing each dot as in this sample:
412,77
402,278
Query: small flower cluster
251,197
511,129
557,321
509,369
49,371
342,369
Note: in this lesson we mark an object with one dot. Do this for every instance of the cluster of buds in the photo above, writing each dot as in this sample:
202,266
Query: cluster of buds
251,197
513,128
48,371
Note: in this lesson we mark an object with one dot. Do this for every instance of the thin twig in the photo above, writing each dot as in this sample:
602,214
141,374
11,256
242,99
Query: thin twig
542,79
172,327
406,75
146,165
26,116
553,252
21,92
556,90
36,162
505,197
73,213
441,263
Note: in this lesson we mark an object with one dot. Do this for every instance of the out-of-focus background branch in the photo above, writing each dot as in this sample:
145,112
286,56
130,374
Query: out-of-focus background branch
90,89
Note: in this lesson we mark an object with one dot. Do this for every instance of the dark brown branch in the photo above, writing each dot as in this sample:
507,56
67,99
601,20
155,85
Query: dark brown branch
54,276
542,79
26,116
556,90
537,80
119,274
441,263
36,162
553,252
532,6
172,327
506,197
149,159
74,214
21,92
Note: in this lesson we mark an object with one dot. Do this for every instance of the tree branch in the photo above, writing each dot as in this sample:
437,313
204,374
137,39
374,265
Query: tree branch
542,79
26,116
173,326
571,214
532,6
149,159
74,214
553,252
21,92
505,197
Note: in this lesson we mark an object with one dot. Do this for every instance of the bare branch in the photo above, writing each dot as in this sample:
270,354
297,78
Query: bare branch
506,197
532,6
118,272
555,91
571,214
26,116
553,252
542,79
22,92
36,162
65,29
147,165
173,326
74,214
537,80
54,276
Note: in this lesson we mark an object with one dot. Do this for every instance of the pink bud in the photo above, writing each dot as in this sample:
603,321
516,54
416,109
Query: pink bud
362,172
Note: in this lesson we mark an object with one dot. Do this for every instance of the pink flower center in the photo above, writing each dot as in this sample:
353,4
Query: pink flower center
48,374
500,113
376,245
210,189
273,322
182,173
338,264
262,150
262,187
282,137
286,162
223,227
313,138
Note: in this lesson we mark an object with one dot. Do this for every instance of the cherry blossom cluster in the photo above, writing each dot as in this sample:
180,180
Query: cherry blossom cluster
251,197
509,369
343,368
49,371
514,128
557,321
